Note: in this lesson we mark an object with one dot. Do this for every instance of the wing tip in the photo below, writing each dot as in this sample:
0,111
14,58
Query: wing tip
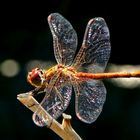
85,120
52,16
49,18
95,19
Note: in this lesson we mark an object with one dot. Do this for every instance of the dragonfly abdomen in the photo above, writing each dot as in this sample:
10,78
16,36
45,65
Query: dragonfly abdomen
107,75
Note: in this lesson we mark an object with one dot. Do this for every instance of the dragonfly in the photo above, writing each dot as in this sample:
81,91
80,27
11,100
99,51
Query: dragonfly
82,72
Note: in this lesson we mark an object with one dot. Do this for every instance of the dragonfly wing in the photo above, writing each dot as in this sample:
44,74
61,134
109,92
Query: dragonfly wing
64,38
95,51
54,103
90,98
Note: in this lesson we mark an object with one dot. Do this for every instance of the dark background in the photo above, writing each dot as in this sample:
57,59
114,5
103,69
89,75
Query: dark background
25,35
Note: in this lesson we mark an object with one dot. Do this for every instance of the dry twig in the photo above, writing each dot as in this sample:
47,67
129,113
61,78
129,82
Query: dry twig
64,130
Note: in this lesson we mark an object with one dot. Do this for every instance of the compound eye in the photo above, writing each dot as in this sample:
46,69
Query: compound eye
37,69
35,77
41,72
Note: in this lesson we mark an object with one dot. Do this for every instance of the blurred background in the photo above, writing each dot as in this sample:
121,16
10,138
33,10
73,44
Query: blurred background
26,42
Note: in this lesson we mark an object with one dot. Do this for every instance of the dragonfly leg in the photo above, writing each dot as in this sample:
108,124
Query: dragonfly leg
37,91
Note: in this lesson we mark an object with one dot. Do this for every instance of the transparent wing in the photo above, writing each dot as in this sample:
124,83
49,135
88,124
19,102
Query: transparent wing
90,97
54,103
95,50
64,38
57,101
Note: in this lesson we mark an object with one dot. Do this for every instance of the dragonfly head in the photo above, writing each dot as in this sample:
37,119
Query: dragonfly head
36,77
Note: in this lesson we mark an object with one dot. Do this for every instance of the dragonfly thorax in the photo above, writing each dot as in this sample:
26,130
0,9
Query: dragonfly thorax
61,70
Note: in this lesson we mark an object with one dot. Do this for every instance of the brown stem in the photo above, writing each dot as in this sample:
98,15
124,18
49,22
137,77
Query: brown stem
64,130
